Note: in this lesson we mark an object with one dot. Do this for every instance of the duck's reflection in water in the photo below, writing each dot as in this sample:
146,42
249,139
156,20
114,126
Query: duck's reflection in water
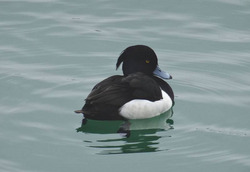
135,135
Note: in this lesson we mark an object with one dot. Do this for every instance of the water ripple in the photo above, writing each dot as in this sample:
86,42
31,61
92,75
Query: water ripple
35,71
203,75
216,130
6,165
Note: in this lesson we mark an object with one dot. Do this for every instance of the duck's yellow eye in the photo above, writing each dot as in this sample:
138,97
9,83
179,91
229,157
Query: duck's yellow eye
147,61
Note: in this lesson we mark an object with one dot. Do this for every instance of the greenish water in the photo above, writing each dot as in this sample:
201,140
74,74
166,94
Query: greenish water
52,52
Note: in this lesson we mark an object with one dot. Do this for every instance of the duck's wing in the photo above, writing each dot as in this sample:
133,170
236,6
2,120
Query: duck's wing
109,95
105,99
109,91
118,90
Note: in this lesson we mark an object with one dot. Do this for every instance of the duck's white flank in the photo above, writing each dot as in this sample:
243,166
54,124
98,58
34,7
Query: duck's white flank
140,109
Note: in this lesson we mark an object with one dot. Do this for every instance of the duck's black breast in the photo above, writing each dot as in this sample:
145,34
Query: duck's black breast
165,87
108,96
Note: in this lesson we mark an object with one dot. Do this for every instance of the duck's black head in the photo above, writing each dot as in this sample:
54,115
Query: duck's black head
140,58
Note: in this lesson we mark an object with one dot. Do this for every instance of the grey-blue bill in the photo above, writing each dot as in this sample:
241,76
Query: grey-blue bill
161,73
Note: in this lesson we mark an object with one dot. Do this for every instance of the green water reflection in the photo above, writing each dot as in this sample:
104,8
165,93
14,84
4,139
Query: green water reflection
142,135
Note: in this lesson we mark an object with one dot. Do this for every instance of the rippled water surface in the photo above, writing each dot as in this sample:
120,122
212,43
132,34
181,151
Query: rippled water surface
52,52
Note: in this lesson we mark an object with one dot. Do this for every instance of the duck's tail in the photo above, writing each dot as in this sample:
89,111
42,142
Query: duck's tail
78,111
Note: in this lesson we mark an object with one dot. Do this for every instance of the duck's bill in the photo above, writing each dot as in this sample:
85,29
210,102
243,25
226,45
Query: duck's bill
161,73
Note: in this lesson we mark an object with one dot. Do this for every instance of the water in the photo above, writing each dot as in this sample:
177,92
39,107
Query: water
52,52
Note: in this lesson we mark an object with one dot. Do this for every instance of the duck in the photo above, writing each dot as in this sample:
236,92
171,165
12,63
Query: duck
139,93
